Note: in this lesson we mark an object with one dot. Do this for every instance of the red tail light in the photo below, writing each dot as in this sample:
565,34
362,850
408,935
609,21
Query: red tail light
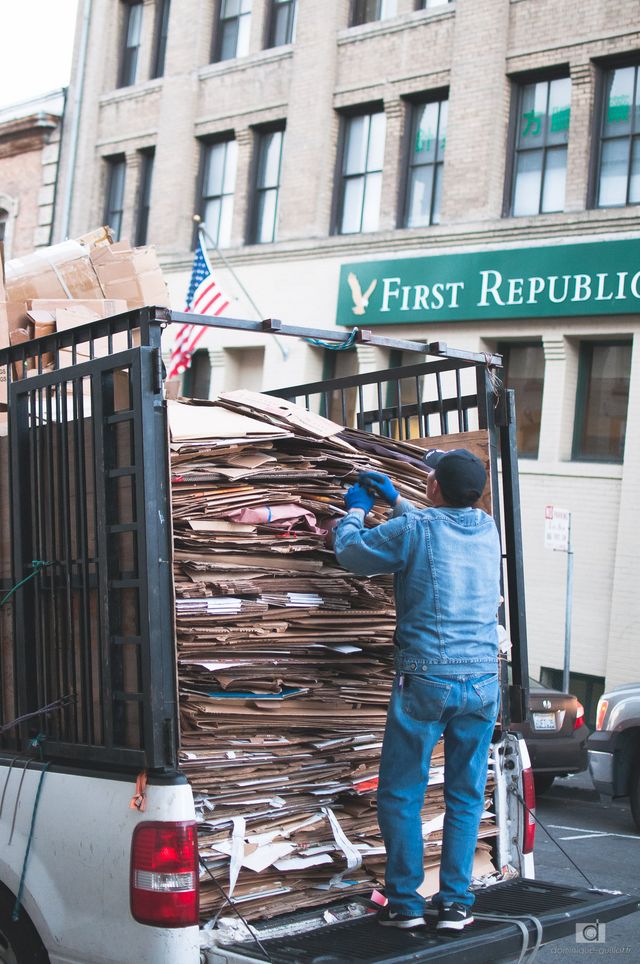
603,706
529,792
579,721
164,874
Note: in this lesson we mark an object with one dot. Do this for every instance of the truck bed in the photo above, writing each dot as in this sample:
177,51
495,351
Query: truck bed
558,909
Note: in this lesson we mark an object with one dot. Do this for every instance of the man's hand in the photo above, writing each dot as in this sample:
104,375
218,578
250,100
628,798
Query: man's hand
380,485
358,498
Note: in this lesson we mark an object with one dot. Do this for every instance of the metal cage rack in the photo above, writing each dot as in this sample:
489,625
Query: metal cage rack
88,523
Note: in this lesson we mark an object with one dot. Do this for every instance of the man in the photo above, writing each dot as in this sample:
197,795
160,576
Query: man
446,565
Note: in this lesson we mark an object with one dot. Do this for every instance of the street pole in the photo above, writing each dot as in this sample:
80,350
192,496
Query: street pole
567,613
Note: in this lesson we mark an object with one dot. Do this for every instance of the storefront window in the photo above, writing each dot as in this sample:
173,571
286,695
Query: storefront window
601,401
524,372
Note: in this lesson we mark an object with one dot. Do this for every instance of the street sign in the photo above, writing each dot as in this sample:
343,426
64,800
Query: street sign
557,523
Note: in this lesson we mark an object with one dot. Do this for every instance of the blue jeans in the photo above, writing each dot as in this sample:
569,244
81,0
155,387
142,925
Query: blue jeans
422,709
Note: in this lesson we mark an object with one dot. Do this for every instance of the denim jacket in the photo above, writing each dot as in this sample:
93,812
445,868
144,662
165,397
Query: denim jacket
446,566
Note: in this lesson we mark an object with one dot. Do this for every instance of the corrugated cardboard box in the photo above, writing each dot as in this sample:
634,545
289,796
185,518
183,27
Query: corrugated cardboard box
130,273
60,271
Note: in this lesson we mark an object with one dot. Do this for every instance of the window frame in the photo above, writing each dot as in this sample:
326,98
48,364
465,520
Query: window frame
357,13
143,206
518,84
219,32
128,67
346,118
585,347
605,70
115,163
425,4
161,33
504,347
224,138
259,190
275,6
414,104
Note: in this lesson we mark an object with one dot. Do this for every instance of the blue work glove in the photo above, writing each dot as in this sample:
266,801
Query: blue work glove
379,484
358,498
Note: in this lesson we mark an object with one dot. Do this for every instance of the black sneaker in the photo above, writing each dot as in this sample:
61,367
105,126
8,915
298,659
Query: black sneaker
431,910
389,918
454,917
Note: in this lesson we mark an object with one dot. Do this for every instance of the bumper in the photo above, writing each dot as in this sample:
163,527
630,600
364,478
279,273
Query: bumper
601,770
559,755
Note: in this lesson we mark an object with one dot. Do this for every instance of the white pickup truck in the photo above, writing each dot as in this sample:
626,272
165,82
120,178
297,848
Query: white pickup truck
88,687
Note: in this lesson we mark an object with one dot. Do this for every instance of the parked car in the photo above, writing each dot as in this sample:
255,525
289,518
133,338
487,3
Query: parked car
614,746
555,734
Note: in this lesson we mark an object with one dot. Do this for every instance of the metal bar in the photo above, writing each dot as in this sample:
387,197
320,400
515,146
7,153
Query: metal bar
458,394
83,559
360,407
514,562
42,694
66,555
51,554
336,335
366,378
343,405
399,418
103,459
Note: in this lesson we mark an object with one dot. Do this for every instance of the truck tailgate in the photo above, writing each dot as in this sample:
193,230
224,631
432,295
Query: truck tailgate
557,908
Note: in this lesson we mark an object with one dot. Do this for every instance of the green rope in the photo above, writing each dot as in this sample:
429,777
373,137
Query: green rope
16,910
333,347
37,565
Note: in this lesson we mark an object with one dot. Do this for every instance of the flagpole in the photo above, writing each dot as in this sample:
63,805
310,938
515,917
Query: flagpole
202,231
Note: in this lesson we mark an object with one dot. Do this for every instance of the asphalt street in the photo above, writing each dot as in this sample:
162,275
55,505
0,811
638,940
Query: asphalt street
605,845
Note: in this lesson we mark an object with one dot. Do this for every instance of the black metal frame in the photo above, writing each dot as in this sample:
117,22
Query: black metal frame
55,450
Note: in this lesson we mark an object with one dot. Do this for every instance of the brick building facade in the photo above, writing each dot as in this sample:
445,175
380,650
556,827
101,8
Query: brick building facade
29,149
311,136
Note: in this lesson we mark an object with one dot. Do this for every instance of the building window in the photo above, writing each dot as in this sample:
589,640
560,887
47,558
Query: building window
115,195
432,4
196,381
282,26
218,189
619,173
587,689
426,156
162,30
232,35
601,401
130,43
4,219
367,11
267,186
524,372
144,195
540,162
361,173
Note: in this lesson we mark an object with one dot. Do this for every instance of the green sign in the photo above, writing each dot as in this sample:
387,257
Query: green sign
600,278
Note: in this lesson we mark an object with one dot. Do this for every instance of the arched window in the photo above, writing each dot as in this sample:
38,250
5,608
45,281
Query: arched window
4,218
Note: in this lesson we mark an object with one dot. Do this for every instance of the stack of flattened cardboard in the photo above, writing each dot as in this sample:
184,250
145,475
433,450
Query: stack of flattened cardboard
285,659
71,284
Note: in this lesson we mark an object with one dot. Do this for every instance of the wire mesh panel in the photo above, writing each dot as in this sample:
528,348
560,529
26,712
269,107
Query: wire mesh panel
90,514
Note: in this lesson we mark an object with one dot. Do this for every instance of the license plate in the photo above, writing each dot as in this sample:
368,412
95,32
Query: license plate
544,721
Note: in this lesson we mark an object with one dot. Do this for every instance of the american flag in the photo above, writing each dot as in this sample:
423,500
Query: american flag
203,298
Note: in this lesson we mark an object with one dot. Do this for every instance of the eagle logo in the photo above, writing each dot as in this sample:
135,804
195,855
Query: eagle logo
360,300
